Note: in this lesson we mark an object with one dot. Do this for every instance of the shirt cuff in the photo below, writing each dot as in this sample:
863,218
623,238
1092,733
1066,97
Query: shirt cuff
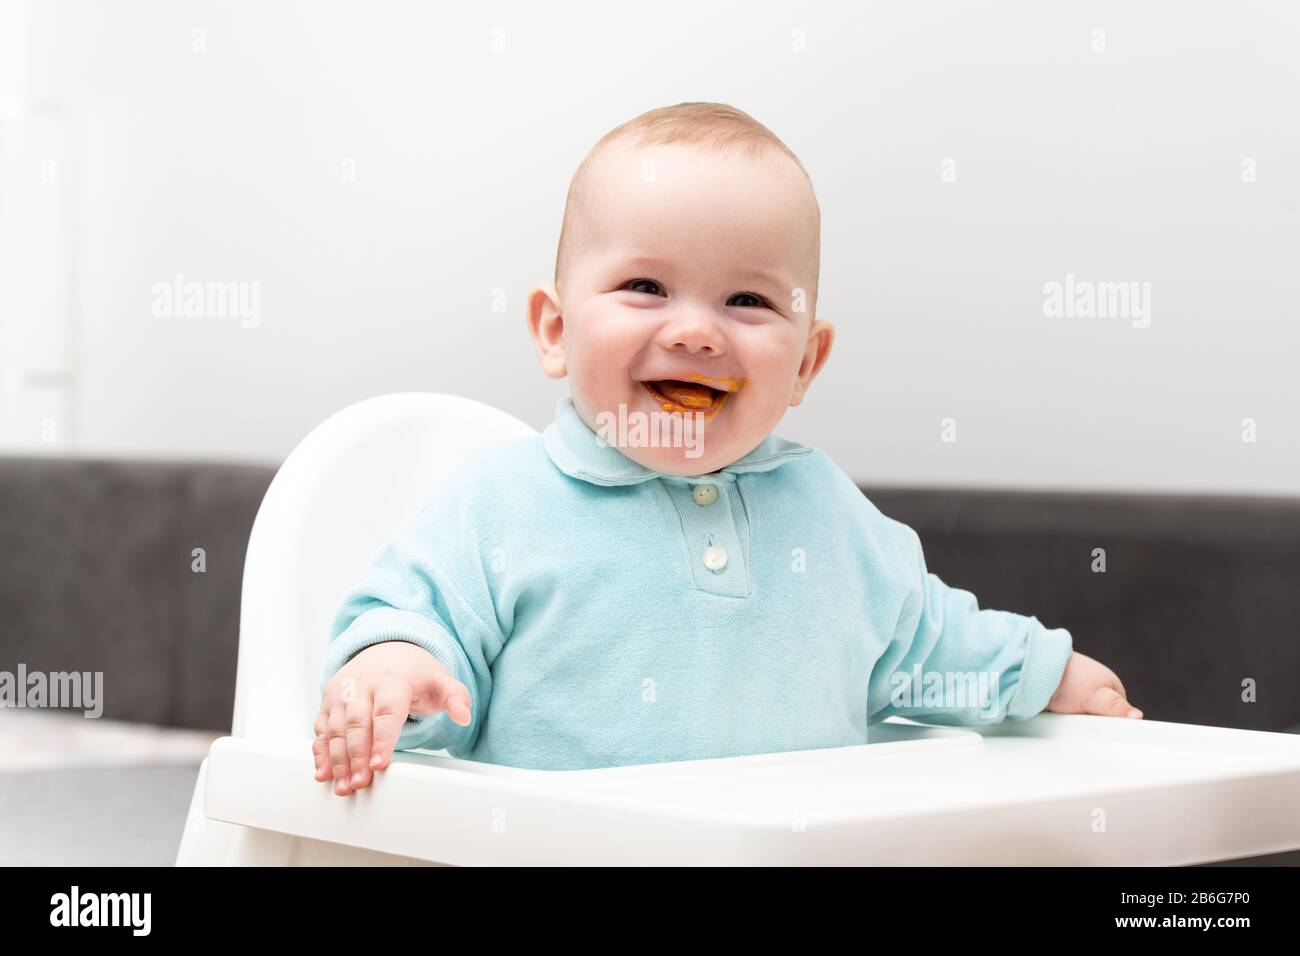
391,624
1046,655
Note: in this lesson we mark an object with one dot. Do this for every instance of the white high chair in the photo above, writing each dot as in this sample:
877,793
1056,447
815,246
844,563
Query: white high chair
1052,790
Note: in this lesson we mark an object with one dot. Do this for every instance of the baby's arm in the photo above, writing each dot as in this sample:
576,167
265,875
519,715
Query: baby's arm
952,663
420,625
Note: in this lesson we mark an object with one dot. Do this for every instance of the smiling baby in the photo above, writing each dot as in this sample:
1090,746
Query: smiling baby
658,576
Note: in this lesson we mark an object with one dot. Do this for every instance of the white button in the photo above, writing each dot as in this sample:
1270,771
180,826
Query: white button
715,558
705,494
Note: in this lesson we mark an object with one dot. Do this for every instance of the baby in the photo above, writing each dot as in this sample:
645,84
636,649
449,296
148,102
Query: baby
657,576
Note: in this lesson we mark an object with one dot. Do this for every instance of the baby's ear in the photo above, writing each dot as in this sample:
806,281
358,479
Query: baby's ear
546,325
821,336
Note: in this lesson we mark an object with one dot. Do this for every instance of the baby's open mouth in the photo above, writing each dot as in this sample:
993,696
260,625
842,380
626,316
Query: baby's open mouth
675,395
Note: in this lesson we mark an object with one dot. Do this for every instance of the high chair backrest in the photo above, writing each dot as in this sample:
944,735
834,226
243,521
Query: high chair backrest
349,484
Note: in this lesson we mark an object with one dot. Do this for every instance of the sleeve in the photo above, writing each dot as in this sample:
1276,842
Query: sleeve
952,663
428,584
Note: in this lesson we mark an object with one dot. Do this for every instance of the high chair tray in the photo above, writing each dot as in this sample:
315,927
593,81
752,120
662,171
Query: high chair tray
1056,789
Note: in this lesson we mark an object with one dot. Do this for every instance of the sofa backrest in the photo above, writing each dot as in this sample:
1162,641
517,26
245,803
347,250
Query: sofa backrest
1199,594
98,573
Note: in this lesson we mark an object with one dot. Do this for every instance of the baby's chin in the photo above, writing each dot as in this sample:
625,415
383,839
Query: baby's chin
673,443
680,462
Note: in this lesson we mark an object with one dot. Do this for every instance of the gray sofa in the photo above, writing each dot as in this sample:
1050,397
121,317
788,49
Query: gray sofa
96,575
1198,594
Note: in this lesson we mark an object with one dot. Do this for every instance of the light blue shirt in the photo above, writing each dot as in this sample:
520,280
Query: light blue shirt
604,614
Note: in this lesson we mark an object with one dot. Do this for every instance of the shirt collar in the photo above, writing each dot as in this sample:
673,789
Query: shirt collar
578,452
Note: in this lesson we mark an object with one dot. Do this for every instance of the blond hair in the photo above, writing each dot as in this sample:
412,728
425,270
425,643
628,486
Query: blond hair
714,126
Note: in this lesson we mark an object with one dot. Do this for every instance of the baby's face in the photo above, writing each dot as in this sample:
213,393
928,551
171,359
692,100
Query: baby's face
689,290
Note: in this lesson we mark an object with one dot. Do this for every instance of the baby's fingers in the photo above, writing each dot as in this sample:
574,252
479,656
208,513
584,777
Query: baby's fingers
320,747
336,732
459,706
360,711
320,750
453,697
392,700
1108,702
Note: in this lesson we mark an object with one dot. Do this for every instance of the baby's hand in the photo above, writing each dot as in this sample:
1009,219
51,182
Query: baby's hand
366,703
1090,687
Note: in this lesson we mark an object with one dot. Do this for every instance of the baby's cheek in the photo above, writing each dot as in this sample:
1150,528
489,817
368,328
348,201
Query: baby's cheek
595,391
594,383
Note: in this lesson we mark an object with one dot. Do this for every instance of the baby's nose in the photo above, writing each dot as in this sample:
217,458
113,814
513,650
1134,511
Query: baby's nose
697,335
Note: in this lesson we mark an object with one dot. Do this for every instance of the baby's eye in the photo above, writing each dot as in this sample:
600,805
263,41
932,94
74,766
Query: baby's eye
650,282
757,301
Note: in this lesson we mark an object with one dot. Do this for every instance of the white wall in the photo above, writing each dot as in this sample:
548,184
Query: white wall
228,162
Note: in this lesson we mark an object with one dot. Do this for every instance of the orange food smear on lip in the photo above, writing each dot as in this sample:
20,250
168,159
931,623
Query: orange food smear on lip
728,383
667,405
